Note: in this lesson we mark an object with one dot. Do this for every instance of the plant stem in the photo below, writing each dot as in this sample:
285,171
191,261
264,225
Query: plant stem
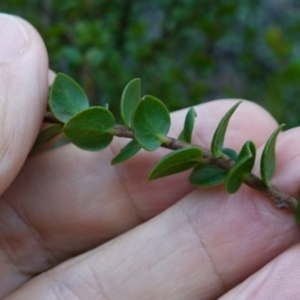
280,199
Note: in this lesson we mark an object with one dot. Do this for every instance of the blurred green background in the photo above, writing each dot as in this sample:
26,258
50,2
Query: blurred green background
185,51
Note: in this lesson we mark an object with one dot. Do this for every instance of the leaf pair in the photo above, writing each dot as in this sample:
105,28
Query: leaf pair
242,168
148,118
203,174
89,128
245,160
150,123
206,175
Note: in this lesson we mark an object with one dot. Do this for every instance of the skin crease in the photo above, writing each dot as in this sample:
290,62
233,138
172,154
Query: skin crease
74,227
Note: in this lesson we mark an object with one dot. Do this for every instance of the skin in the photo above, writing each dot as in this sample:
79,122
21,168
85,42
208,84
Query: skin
74,227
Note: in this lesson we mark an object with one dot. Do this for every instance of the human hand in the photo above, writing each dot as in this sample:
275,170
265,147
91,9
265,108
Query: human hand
74,227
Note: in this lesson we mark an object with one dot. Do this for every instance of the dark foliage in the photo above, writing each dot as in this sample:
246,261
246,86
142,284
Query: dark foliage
185,51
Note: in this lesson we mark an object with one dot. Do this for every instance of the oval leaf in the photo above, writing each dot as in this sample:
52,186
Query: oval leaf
151,123
127,152
219,135
242,168
130,99
91,129
268,158
46,135
186,134
205,175
66,98
176,161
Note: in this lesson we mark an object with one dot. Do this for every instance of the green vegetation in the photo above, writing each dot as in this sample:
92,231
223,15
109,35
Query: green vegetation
185,51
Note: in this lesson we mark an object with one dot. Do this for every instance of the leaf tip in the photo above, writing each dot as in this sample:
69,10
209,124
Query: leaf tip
219,134
268,157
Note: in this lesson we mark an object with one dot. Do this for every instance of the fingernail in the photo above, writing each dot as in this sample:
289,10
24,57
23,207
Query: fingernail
13,37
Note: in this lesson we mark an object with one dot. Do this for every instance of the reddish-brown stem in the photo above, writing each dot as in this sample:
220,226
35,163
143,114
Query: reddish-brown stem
280,199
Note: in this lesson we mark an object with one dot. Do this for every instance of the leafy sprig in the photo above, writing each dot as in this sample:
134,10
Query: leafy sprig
146,121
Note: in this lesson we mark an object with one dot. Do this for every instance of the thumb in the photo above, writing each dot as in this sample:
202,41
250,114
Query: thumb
23,93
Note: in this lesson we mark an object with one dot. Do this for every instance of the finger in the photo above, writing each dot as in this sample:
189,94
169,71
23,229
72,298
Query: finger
277,280
23,90
23,93
199,248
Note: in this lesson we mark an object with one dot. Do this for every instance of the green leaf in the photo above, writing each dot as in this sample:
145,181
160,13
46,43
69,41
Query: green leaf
186,134
130,99
205,175
176,161
127,152
231,153
242,168
151,123
219,135
66,98
268,158
45,135
91,129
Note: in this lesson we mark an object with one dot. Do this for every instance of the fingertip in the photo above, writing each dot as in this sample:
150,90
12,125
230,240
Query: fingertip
23,92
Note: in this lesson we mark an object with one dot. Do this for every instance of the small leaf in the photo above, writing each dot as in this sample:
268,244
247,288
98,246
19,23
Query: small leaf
151,123
268,158
205,175
219,135
91,129
176,161
242,168
231,153
130,99
66,98
45,135
186,134
127,152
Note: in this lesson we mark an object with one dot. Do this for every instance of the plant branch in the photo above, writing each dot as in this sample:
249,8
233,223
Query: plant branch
280,199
